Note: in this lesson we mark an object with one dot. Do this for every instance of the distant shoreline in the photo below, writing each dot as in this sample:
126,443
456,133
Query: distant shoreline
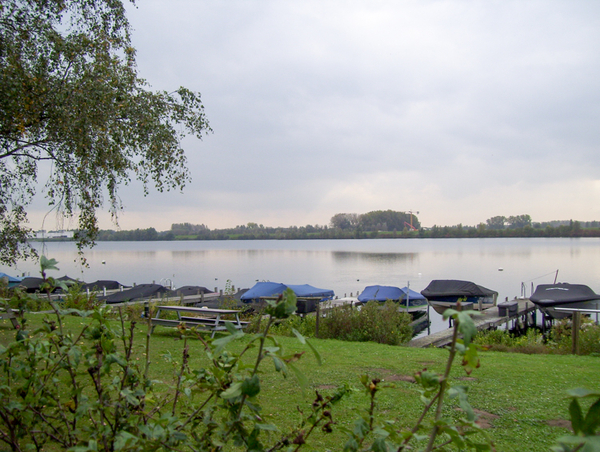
440,233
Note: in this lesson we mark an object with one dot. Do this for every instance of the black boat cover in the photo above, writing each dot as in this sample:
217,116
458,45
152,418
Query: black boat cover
31,283
548,295
455,287
187,291
102,284
138,292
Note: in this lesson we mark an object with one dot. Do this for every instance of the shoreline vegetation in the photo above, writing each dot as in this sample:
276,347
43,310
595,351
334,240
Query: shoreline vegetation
372,225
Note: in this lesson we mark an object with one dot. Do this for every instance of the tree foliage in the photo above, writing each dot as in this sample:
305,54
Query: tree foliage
388,220
519,221
344,221
377,220
497,222
72,105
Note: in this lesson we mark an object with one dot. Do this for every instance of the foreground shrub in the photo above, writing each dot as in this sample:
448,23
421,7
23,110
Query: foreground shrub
87,392
384,324
532,342
305,325
560,337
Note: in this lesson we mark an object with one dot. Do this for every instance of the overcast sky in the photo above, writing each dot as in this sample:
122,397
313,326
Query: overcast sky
460,110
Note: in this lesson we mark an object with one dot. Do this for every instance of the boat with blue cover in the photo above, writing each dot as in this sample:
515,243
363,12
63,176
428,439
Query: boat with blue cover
406,298
308,296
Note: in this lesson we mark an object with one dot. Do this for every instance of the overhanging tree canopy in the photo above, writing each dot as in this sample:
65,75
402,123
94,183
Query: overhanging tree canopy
70,95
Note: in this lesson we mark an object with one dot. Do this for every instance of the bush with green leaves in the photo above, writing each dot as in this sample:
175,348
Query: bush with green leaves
305,325
85,392
560,337
375,322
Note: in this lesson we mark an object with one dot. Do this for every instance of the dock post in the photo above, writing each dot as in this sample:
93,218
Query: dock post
575,326
428,321
318,317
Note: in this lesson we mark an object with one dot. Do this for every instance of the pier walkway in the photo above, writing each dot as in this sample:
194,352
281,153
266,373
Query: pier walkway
488,319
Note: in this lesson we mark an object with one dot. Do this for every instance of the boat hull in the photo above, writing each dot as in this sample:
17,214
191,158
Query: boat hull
440,306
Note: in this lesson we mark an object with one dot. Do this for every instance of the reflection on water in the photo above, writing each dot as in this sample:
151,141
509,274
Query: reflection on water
346,266
373,257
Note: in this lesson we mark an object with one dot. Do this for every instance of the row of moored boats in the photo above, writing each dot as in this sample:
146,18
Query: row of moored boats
555,300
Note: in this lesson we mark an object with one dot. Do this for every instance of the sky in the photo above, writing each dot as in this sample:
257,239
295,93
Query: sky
457,110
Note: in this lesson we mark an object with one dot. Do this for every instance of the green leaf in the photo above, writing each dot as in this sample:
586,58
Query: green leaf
233,330
251,386
220,343
466,326
361,428
235,390
125,440
576,416
449,313
284,307
592,419
379,445
582,392
470,358
302,380
48,264
303,340
267,427
461,392
351,445
279,364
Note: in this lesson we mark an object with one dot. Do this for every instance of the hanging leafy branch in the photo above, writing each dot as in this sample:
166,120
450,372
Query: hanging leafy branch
72,105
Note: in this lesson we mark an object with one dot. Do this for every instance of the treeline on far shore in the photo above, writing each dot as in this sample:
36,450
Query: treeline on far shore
371,225
259,232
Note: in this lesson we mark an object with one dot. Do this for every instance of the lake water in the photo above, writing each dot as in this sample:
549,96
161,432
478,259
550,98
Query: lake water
509,266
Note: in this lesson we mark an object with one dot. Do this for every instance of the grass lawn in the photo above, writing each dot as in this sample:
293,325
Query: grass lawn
520,398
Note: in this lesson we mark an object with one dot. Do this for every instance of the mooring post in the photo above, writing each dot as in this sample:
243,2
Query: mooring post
318,317
575,325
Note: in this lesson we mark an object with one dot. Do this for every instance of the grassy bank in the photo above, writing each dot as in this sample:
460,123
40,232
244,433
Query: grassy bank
520,398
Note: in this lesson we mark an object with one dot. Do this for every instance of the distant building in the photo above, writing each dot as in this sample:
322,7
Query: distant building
61,234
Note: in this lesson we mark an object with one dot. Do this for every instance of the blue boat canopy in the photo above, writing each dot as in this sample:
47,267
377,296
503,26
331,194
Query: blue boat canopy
269,289
11,279
384,293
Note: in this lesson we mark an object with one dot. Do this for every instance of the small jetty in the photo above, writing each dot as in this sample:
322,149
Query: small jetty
488,319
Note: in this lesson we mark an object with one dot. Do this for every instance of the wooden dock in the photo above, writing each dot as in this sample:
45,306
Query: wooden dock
488,319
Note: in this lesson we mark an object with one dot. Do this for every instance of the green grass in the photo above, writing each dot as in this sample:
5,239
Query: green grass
521,397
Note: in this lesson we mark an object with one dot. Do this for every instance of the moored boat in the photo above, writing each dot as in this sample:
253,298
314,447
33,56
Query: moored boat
442,294
548,297
407,299
307,296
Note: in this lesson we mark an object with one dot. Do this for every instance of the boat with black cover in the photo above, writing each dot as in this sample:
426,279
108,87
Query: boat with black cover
548,297
442,294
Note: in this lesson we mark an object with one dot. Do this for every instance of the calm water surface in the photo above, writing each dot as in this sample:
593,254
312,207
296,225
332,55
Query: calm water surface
508,266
